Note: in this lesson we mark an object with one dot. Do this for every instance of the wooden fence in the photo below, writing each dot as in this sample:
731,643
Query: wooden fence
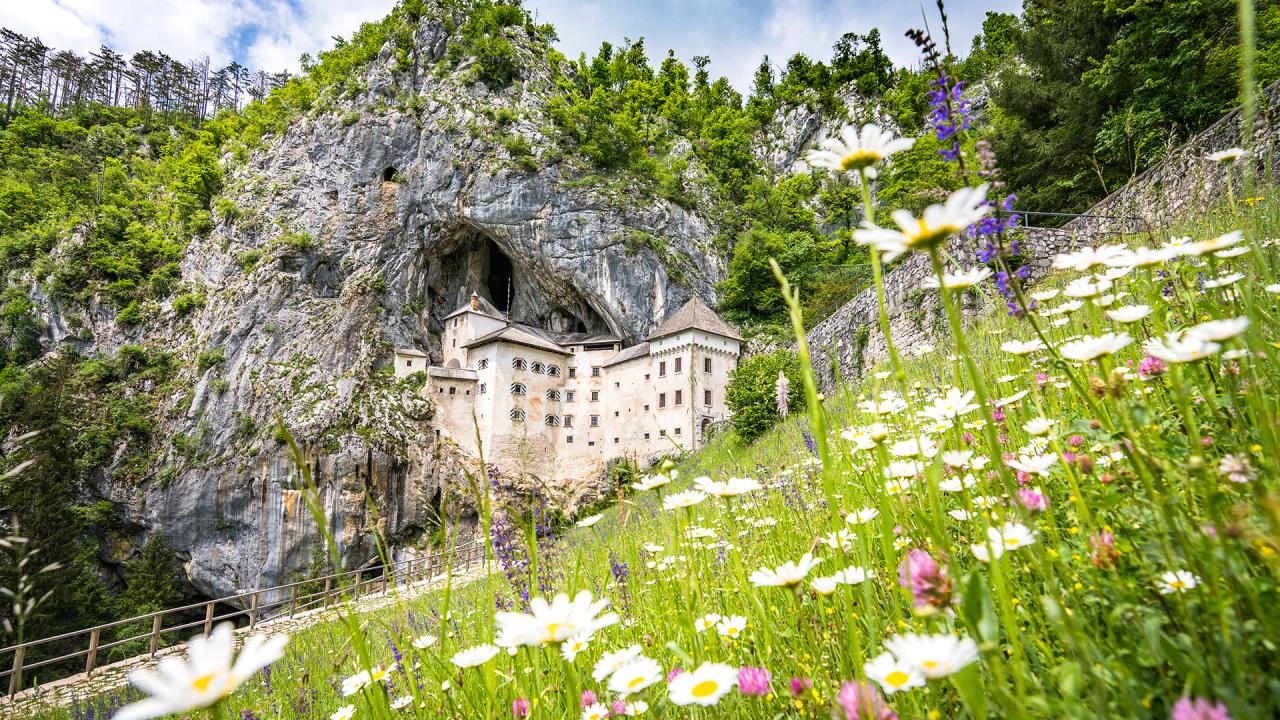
254,606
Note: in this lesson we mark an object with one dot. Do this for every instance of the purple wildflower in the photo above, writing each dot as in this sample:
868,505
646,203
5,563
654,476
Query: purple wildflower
520,708
861,701
754,680
1198,709
927,581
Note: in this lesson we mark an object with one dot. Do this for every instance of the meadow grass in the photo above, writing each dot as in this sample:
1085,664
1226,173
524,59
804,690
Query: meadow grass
1127,510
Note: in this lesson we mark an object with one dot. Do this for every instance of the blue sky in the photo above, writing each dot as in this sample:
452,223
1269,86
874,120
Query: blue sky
272,34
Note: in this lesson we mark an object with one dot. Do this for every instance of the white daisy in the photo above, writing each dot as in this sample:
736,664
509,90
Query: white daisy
787,574
635,676
958,280
1129,313
610,662
963,208
703,686
934,656
1177,581
857,150
1088,348
474,656
685,499
556,621
892,674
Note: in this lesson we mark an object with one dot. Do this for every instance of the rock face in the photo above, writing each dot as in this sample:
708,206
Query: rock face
352,234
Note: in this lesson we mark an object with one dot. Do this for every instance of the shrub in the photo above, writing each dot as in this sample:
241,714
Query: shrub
210,357
188,303
751,393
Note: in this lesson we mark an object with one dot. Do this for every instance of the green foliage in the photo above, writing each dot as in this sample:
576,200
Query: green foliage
210,357
751,394
132,187
188,303
1102,90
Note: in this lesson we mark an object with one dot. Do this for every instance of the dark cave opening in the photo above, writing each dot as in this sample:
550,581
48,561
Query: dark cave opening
501,275
389,174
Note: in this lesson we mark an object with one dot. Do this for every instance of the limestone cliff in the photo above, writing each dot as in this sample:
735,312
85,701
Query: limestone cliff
351,234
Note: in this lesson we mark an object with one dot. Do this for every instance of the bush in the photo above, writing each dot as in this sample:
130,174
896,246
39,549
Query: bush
210,357
188,303
751,394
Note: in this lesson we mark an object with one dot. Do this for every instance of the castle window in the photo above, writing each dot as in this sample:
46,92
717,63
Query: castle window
646,407
482,389
662,369
679,397
455,342
573,372
677,431
615,441
568,421
552,421
408,363
568,396
646,436
569,439
537,367
617,385
595,421
678,362
519,364
518,389
595,371
595,396
706,365
706,397
553,370
553,394
517,415
591,443
662,400
484,363
453,391
646,376
663,433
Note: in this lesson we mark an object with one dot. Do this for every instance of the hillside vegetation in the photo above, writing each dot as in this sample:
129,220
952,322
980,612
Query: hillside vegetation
102,191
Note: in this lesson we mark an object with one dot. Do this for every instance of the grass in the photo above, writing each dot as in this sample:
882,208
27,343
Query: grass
1168,472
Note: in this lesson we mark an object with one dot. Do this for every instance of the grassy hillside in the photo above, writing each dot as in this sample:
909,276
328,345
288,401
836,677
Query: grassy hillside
1133,563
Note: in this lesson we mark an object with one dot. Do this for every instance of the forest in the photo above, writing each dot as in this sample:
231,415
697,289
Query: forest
110,164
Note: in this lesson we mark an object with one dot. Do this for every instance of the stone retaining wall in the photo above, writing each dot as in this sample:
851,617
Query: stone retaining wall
849,341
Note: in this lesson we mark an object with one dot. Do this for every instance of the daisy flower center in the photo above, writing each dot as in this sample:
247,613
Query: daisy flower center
635,681
202,683
926,235
706,688
930,664
897,678
859,159
1177,584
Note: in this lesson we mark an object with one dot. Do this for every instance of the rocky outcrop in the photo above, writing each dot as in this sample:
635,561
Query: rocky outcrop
351,234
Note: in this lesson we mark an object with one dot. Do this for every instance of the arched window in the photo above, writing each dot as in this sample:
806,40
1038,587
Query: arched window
484,363
553,394
517,415
482,389
518,389
553,421
553,370
536,367
519,364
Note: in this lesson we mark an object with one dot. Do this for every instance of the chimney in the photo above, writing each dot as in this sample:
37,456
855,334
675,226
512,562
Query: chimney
475,301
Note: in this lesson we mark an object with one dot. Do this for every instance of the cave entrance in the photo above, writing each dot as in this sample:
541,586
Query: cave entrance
389,174
501,275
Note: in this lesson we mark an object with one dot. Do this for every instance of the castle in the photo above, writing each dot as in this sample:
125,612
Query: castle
561,406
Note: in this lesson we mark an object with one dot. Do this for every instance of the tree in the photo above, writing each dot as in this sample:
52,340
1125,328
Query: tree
751,392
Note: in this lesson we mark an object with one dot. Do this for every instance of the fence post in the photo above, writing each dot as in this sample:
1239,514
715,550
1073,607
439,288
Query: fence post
208,617
91,661
293,601
328,583
155,632
253,610
15,680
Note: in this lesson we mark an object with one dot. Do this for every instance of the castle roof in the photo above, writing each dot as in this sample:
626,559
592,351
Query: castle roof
520,335
411,351
694,315
484,307
630,353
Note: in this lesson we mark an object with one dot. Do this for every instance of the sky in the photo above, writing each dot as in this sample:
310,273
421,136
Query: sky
272,34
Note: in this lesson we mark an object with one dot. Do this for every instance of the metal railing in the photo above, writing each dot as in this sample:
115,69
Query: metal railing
255,605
